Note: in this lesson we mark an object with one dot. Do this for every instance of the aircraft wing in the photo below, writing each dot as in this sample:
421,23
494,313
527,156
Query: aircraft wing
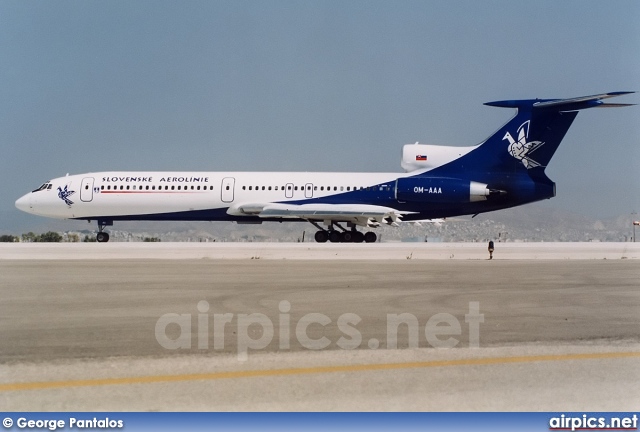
358,214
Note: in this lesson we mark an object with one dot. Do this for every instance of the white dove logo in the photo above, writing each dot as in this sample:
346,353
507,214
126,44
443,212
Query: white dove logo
521,149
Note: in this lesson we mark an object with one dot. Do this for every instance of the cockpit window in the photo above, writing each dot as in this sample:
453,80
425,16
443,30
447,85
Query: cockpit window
43,187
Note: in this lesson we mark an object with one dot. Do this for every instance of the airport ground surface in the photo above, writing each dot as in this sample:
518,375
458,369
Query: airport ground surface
81,333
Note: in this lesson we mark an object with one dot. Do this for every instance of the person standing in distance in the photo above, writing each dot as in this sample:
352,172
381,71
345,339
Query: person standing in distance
490,249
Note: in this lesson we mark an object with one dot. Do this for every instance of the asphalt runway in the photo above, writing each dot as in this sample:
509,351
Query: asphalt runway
314,334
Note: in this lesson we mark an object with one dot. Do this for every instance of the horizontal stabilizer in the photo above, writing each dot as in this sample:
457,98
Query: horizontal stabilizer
572,104
614,105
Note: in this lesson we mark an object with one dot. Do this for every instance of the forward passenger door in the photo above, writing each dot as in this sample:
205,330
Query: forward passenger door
227,188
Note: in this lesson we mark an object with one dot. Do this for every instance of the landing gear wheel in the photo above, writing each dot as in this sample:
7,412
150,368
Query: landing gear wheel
370,237
334,237
346,237
321,236
358,237
102,237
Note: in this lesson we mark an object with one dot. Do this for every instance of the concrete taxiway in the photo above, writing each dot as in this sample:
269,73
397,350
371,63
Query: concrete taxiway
316,251
554,334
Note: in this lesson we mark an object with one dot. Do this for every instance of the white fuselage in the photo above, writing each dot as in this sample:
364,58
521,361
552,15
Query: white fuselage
115,194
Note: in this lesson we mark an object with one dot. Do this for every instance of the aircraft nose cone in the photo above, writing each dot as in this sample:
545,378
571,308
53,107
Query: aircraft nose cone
24,203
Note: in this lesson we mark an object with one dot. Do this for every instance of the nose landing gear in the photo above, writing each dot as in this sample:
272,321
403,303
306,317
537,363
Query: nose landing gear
103,237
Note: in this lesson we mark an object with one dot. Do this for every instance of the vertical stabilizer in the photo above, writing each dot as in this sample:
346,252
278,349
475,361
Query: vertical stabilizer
531,138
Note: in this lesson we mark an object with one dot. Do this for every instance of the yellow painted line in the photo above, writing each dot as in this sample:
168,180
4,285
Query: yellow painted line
307,371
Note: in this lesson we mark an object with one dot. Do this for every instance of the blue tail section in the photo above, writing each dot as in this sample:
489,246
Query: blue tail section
512,161
533,136
529,140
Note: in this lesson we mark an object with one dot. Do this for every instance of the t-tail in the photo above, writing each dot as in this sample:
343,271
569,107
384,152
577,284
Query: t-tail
531,138
511,162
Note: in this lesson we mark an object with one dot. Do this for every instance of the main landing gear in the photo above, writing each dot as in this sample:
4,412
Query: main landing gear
344,236
103,237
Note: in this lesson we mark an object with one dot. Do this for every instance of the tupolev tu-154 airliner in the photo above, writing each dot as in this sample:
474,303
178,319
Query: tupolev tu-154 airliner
506,170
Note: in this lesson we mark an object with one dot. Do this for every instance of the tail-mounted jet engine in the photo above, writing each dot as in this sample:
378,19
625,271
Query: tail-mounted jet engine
443,190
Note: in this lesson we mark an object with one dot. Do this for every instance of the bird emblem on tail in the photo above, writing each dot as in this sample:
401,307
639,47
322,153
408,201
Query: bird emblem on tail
521,149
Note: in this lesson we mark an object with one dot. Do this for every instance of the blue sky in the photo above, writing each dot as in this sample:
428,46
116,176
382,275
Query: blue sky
308,86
